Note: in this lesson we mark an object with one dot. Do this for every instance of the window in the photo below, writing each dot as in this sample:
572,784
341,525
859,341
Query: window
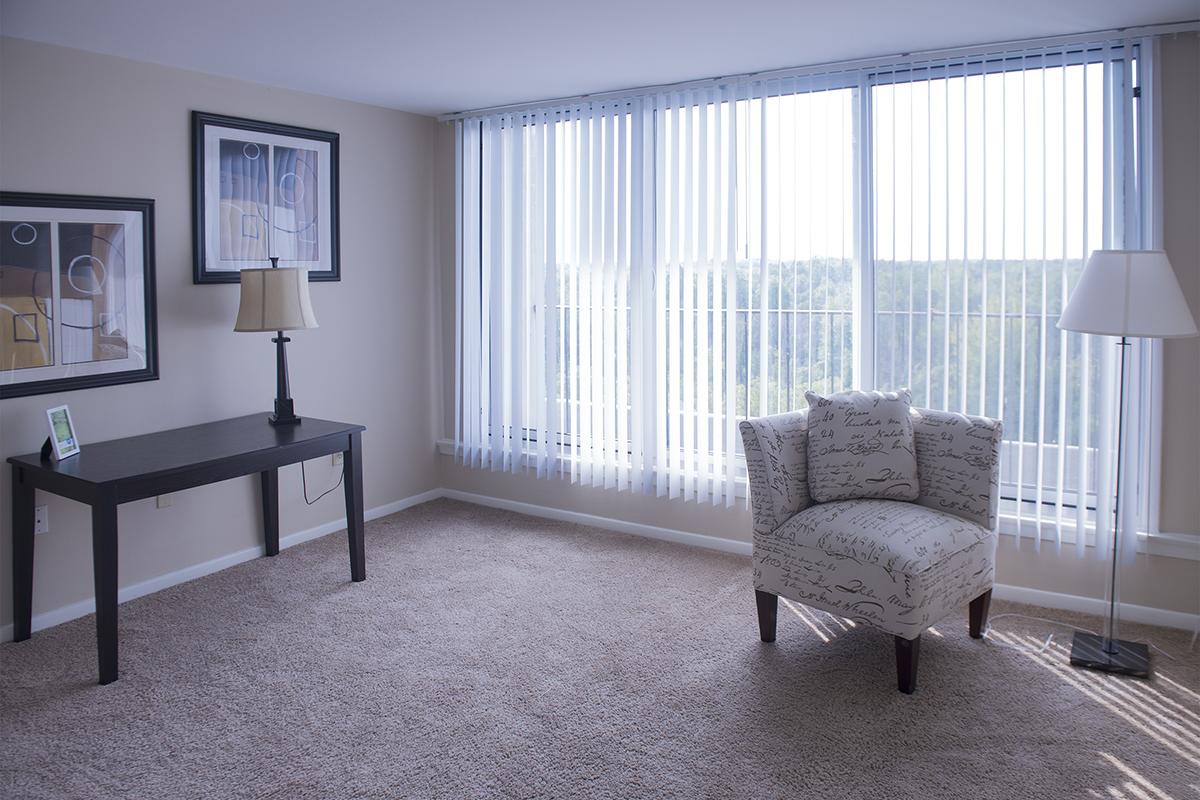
992,183
637,275
795,245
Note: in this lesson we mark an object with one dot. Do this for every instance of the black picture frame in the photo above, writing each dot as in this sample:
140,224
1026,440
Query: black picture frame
202,120
148,372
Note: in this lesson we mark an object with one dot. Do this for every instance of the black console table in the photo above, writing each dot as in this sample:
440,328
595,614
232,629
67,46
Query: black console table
106,474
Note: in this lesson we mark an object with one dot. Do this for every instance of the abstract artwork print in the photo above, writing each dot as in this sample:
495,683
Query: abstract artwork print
263,191
245,192
295,193
26,289
76,292
92,292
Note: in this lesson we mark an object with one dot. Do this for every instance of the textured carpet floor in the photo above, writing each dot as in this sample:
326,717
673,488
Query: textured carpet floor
490,654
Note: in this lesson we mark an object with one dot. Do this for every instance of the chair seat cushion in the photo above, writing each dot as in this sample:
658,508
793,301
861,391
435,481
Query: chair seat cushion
897,536
897,566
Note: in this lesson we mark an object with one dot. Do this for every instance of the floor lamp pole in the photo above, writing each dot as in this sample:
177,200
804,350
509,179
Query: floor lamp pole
1110,630
1107,652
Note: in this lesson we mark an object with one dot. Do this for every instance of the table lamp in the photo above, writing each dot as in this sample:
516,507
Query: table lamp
1125,293
276,299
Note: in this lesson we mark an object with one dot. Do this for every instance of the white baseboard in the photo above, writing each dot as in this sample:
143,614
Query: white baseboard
1020,594
608,523
1096,605
1066,602
58,616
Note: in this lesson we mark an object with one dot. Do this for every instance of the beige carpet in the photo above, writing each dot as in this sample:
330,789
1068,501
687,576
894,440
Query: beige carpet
490,654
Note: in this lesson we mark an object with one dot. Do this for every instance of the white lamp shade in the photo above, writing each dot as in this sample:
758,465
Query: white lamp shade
275,300
1128,293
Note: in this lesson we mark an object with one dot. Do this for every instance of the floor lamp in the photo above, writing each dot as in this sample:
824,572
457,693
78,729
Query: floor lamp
1128,294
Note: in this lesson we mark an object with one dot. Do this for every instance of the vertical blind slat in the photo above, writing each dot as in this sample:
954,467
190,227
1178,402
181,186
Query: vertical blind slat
687,316
1043,327
1023,318
703,272
609,356
619,445
983,272
1063,441
639,293
662,411
733,193
459,173
719,416
586,310
1083,484
760,115
675,329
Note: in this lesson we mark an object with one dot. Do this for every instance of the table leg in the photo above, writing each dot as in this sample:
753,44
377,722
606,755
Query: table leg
22,551
104,566
354,507
270,509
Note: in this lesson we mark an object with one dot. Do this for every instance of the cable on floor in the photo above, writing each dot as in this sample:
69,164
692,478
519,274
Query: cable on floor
304,483
1050,637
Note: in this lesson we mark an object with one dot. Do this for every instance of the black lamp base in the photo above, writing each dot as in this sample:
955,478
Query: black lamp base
284,413
1131,658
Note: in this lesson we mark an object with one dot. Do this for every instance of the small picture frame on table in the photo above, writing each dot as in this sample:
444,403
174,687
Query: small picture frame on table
62,443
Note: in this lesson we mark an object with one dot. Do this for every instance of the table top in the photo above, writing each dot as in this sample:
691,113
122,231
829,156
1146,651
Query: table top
183,448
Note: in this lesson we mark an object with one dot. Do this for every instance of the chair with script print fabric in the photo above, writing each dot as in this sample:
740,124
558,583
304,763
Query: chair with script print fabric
874,511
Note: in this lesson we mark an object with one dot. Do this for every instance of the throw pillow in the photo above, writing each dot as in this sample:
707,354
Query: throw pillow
860,444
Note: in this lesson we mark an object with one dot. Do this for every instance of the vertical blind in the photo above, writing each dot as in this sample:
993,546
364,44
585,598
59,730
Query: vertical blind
638,274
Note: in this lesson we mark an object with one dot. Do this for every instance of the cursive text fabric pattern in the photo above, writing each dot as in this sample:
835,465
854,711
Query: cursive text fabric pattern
861,446
958,460
776,450
898,566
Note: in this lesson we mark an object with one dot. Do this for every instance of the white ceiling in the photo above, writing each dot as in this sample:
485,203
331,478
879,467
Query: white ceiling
448,55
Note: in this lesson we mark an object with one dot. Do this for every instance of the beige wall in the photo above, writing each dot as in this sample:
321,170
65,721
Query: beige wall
1180,89
79,123
1155,581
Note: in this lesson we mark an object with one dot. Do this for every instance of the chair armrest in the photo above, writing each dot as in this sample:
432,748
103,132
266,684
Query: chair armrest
776,450
958,464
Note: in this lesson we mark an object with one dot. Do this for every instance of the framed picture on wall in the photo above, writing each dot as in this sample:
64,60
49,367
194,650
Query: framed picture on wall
261,190
77,301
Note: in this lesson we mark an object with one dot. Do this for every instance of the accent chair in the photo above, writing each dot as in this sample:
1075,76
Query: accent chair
896,565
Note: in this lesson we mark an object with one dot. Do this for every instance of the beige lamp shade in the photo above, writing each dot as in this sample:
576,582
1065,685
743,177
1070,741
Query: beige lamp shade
1128,293
275,300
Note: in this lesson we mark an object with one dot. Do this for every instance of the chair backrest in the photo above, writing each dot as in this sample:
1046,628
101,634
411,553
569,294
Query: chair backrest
958,465
776,449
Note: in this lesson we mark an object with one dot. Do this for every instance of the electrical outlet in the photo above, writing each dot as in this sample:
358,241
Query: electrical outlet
337,459
41,519
163,501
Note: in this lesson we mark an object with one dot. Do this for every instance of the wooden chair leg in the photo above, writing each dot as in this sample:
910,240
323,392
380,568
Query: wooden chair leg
907,651
768,606
979,614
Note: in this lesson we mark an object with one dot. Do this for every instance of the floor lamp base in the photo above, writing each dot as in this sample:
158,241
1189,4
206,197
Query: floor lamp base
1131,658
